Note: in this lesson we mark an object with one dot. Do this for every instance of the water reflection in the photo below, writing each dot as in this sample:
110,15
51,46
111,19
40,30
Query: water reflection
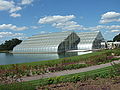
49,56
67,54
7,58
9,54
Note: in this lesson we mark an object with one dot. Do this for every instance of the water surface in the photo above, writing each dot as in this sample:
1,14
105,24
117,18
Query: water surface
7,58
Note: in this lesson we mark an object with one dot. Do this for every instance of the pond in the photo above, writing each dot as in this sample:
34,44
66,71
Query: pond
7,58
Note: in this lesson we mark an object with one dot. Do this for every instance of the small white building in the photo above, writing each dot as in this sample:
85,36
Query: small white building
112,45
103,45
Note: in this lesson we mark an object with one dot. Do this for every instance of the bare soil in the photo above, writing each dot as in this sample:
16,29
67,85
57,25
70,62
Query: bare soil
98,84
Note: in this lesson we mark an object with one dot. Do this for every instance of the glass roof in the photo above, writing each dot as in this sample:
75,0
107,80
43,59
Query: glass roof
45,41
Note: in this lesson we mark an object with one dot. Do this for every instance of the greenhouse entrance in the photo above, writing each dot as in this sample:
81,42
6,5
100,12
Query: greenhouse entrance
70,43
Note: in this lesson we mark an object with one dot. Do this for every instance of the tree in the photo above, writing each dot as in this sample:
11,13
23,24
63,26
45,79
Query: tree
10,44
116,38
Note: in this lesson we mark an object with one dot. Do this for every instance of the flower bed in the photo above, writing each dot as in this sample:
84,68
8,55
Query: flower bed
107,72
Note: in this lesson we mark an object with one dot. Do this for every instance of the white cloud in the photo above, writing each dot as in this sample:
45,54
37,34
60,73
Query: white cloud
68,25
18,34
12,27
35,27
62,22
20,28
5,26
113,27
11,7
109,20
100,27
43,32
115,31
14,9
6,34
10,34
23,37
110,17
1,36
15,15
26,2
55,19
6,5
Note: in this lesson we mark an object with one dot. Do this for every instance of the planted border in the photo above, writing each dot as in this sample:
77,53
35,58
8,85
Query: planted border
12,73
31,85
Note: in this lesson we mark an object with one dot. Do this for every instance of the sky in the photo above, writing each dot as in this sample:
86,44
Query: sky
24,18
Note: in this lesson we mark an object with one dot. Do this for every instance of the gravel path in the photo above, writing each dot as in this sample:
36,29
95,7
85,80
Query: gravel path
66,72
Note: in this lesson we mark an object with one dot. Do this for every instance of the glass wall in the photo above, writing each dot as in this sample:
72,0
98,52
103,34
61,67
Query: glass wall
90,40
60,42
52,42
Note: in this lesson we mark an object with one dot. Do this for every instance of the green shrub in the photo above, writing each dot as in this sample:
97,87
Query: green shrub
50,80
116,68
74,66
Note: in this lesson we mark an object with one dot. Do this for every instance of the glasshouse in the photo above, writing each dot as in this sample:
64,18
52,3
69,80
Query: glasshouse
52,42
60,42
90,40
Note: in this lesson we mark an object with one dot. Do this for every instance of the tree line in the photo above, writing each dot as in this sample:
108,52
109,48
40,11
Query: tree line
116,38
10,44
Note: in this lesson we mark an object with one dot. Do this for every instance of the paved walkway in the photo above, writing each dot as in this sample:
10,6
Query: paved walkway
66,72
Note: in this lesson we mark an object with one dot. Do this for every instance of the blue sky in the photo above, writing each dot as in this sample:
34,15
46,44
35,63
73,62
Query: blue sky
24,18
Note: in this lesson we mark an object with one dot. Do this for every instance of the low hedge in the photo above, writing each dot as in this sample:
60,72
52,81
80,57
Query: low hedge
67,67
